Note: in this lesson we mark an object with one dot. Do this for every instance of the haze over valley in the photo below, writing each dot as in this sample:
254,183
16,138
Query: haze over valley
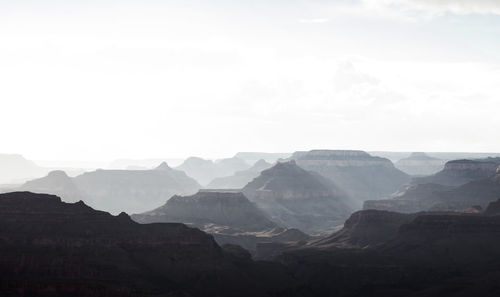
225,148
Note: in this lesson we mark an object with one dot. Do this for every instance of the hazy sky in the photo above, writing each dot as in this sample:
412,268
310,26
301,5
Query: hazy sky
103,79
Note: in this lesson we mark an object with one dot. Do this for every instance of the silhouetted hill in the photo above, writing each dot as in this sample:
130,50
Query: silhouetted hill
420,164
204,171
118,190
52,248
297,198
362,176
228,215
240,178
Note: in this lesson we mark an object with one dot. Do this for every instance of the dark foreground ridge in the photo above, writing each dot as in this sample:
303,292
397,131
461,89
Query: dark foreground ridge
52,248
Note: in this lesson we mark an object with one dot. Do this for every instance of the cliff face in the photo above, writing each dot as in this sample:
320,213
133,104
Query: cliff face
239,179
117,190
431,196
204,171
361,175
51,248
428,254
366,228
459,172
420,164
413,198
297,198
228,215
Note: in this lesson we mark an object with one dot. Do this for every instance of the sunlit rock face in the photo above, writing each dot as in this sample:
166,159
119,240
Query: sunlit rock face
298,198
204,171
240,178
359,174
226,214
420,164
115,191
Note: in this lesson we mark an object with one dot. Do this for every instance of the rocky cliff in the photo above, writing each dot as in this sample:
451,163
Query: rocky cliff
226,214
361,175
459,172
298,198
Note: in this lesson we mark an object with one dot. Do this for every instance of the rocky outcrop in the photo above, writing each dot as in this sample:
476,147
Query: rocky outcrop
366,228
437,197
420,164
115,191
431,254
226,214
52,248
411,199
239,179
297,198
204,171
459,172
361,175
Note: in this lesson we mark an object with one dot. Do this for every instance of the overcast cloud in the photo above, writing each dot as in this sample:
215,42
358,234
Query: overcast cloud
99,80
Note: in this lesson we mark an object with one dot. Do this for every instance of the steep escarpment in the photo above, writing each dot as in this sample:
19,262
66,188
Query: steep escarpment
52,248
429,254
459,172
298,198
420,164
366,228
228,215
424,197
117,190
240,178
361,175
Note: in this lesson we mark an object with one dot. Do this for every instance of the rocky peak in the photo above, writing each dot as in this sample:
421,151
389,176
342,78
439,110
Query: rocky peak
163,166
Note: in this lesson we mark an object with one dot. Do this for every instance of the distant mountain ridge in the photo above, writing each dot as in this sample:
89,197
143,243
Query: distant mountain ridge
240,178
115,191
420,164
204,171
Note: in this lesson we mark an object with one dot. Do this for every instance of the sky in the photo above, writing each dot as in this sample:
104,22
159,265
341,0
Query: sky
101,80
